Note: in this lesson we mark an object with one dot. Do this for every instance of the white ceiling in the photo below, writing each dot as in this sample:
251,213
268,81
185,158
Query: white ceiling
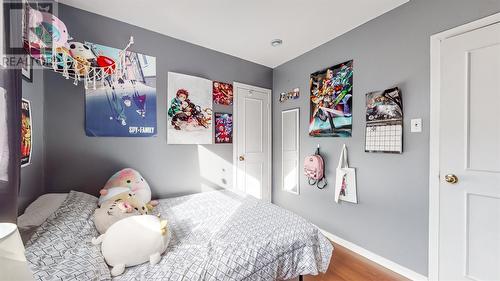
245,28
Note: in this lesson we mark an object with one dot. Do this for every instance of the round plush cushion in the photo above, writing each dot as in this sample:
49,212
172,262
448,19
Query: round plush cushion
133,240
131,179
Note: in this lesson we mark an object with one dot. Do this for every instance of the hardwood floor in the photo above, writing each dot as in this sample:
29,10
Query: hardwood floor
346,265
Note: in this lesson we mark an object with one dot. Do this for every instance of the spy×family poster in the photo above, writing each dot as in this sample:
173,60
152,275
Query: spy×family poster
126,106
331,101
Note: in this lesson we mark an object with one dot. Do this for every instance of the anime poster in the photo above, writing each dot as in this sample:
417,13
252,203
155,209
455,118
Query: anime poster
331,101
26,133
222,93
125,107
223,128
189,110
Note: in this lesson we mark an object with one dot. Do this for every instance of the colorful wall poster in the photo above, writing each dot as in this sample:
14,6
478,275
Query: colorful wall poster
222,93
223,128
124,107
26,133
331,101
189,110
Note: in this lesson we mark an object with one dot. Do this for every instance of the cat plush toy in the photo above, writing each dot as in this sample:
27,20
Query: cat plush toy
120,206
127,180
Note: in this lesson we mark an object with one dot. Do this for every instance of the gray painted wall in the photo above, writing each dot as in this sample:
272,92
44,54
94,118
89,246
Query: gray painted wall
75,161
32,176
391,218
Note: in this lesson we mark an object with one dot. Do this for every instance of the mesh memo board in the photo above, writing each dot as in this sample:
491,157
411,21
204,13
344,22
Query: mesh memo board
384,122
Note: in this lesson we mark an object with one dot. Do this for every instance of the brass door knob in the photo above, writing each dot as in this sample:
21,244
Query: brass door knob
242,158
450,178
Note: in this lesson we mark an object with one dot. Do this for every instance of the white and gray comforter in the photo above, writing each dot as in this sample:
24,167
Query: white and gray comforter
215,236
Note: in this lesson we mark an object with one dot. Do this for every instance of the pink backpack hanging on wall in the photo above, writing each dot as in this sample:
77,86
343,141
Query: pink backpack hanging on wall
314,170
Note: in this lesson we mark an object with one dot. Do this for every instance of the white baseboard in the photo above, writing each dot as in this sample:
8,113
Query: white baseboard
408,273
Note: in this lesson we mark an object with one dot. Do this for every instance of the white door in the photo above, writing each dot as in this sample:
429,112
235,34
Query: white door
469,212
252,140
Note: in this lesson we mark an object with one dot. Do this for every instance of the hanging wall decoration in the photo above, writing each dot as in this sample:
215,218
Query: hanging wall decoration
189,110
223,128
26,133
331,101
384,121
125,107
222,93
46,39
291,95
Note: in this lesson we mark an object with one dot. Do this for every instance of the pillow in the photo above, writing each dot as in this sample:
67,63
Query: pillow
38,211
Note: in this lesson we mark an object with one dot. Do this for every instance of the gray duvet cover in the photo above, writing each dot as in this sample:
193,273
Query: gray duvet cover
217,235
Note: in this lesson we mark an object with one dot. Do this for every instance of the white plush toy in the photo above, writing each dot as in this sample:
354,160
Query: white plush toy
132,241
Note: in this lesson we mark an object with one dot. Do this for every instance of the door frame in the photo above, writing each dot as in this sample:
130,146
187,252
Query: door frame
269,134
435,105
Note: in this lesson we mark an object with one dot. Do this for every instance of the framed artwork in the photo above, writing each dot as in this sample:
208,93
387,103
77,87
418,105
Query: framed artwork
123,107
189,110
222,93
223,128
331,101
27,69
384,121
26,133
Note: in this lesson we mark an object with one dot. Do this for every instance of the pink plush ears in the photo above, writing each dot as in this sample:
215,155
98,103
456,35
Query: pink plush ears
103,192
154,203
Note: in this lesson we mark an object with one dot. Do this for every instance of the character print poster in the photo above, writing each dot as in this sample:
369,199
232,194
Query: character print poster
223,128
26,133
125,107
189,110
222,93
331,101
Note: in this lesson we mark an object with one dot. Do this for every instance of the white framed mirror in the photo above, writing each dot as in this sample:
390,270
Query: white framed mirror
290,150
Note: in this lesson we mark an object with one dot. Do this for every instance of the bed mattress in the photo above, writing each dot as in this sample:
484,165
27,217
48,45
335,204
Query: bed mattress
217,235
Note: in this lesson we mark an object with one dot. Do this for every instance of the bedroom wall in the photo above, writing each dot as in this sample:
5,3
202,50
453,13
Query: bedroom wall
391,218
32,176
75,161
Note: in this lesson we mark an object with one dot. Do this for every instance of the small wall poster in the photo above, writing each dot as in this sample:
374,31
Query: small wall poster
223,128
384,121
26,133
125,107
331,101
292,95
222,93
189,110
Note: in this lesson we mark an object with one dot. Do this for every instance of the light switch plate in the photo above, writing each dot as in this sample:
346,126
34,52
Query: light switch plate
416,125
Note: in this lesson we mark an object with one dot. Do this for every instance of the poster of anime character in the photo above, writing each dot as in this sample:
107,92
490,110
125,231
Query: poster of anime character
331,101
26,133
189,110
222,93
223,128
123,107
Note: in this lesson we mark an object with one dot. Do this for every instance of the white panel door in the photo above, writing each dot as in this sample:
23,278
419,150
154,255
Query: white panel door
469,212
252,137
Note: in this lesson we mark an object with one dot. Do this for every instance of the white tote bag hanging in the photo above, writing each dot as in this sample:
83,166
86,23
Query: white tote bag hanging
345,181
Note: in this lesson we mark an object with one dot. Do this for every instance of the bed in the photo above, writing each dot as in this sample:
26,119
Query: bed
218,235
